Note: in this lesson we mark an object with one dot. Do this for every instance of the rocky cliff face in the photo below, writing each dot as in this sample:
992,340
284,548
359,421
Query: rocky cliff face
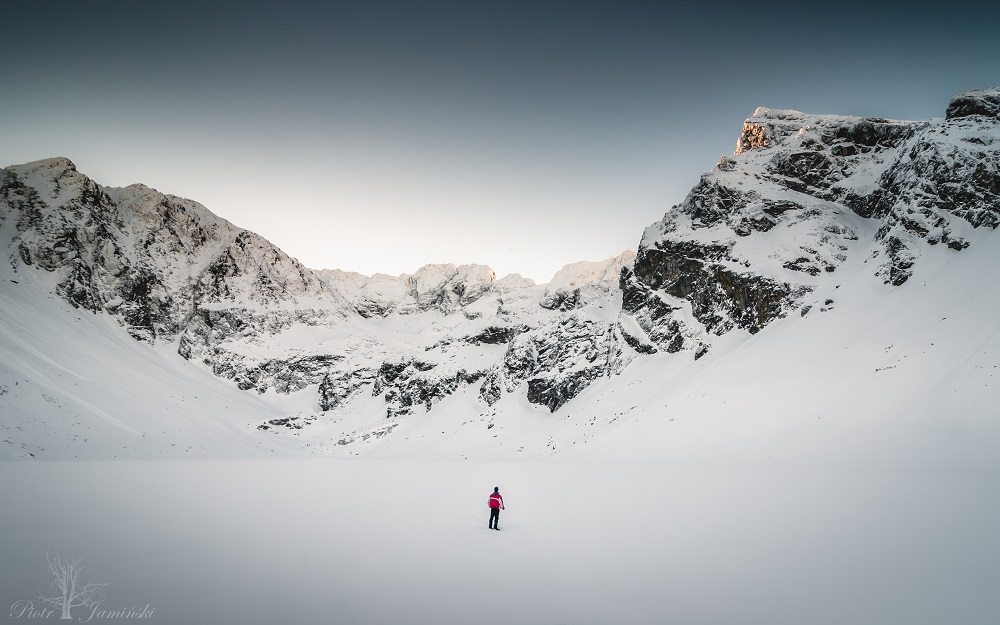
801,195
560,358
168,270
66,224
579,343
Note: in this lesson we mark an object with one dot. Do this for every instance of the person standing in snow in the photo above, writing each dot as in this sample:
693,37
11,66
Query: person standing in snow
496,505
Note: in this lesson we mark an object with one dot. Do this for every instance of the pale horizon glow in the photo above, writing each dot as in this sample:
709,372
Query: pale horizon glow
379,139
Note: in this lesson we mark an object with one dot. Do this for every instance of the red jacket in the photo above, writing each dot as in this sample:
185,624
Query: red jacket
496,501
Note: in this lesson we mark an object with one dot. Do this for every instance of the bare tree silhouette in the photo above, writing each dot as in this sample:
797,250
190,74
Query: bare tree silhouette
67,589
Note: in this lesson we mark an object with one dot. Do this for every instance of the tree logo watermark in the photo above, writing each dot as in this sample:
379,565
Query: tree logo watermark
68,591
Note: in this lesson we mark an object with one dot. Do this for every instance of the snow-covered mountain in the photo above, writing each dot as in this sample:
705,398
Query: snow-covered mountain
150,322
175,276
770,229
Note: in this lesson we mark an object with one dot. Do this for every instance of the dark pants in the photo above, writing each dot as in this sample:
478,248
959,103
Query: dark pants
494,518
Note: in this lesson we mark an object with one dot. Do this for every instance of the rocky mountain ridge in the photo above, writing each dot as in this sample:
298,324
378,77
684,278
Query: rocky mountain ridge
771,231
168,270
800,196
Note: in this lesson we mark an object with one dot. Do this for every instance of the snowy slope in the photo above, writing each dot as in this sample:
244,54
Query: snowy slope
73,384
395,542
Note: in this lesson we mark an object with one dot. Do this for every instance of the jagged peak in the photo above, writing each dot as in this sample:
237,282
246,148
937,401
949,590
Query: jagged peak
769,126
55,163
447,286
142,191
448,271
601,272
136,188
763,112
985,102
577,283
56,179
513,282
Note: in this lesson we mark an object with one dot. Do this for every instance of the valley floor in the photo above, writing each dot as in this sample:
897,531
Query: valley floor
388,541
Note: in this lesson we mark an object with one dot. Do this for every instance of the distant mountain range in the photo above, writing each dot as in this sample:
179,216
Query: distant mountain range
809,210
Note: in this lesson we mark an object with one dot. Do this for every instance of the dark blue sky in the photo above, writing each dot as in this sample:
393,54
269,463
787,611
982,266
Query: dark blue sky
383,136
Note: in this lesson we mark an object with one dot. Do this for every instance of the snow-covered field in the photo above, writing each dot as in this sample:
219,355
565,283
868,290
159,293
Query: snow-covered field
383,541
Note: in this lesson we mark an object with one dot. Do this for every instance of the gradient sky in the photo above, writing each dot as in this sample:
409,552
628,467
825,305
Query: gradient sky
379,137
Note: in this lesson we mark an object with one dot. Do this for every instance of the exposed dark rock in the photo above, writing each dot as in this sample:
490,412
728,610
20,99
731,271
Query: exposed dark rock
562,300
874,133
413,383
638,344
291,423
985,102
497,335
558,360
339,385
720,298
